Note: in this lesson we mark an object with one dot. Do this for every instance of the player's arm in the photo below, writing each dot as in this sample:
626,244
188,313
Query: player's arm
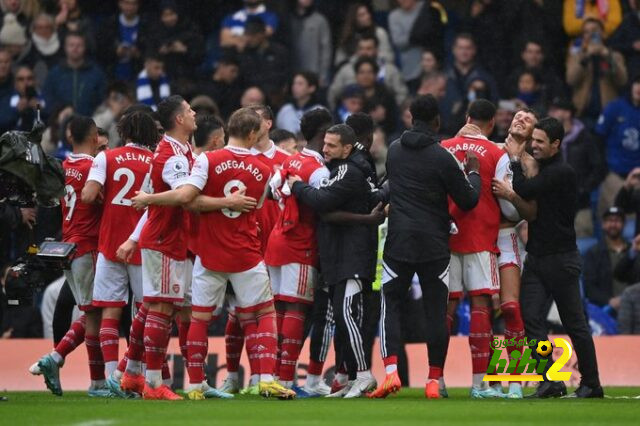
329,197
92,190
126,249
527,210
236,201
376,217
503,173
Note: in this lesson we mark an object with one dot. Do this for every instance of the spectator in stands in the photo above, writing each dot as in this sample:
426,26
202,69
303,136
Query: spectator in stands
311,41
533,59
54,136
152,85
70,19
388,74
6,82
224,86
626,39
204,105
304,88
582,151
629,313
401,23
232,32
264,63
77,81
429,65
178,42
576,12
378,100
531,91
25,100
44,51
13,36
252,96
619,125
118,41
351,101
433,84
460,75
119,98
601,287
379,151
285,140
595,73
628,198
358,22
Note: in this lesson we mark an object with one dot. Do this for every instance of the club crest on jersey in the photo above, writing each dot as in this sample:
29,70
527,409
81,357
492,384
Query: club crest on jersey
176,288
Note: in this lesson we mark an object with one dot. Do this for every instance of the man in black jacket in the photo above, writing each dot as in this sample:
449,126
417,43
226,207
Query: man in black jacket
347,250
422,175
552,267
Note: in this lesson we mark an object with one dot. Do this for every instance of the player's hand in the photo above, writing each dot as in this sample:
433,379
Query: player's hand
239,202
126,250
471,162
29,216
293,179
377,214
140,201
469,130
386,209
514,149
529,165
502,188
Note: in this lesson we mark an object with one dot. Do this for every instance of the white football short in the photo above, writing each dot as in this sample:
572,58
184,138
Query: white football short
474,273
293,282
512,251
252,289
113,280
163,278
188,277
80,278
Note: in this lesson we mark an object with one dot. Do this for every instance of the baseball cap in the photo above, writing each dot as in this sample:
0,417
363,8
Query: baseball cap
614,211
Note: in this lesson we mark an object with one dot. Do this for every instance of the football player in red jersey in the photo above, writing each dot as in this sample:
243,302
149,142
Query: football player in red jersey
115,176
80,224
228,250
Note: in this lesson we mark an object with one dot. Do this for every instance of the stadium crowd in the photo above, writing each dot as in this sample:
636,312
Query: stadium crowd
110,67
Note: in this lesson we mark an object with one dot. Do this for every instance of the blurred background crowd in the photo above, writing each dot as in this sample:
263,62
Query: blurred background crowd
575,60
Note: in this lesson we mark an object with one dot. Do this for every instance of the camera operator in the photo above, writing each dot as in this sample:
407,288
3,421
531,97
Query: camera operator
25,99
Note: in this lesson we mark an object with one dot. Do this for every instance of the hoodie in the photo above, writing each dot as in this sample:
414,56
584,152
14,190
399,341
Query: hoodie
422,175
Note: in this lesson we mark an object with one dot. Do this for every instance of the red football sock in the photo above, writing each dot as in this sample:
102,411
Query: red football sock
96,363
109,339
514,326
315,367
279,320
480,339
292,338
73,338
435,372
197,347
122,365
135,351
234,341
250,328
183,331
267,342
156,338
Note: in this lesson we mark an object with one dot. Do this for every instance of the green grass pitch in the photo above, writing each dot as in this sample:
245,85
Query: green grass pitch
409,407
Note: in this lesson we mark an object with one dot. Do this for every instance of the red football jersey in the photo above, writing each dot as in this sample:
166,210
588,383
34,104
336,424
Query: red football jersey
298,244
167,228
478,228
273,158
228,240
121,172
80,221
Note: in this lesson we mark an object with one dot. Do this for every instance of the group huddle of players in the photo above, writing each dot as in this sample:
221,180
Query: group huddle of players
176,226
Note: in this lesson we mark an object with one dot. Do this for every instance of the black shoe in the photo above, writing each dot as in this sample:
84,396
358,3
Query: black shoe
549,390
585,391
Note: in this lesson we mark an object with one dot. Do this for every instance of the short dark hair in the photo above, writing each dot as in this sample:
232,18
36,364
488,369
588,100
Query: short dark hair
315,121
481,110
122,88
310,77
168,109
263,111
255,25
207,124
464,35
138,127
346,133
243,122
366,60
80,128
424,108
552,128
279,135
368,35
103,132
362,124
76,34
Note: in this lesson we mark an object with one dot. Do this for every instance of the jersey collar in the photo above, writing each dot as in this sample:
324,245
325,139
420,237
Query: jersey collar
135,145
239,150
475,137
77,157
311,153
184,148
269,153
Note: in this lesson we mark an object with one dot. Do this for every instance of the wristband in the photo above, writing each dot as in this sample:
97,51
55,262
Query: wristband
474,172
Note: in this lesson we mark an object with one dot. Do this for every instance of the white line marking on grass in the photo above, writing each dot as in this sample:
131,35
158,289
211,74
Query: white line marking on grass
97,422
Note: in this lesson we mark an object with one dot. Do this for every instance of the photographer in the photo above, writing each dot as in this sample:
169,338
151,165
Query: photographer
25,99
